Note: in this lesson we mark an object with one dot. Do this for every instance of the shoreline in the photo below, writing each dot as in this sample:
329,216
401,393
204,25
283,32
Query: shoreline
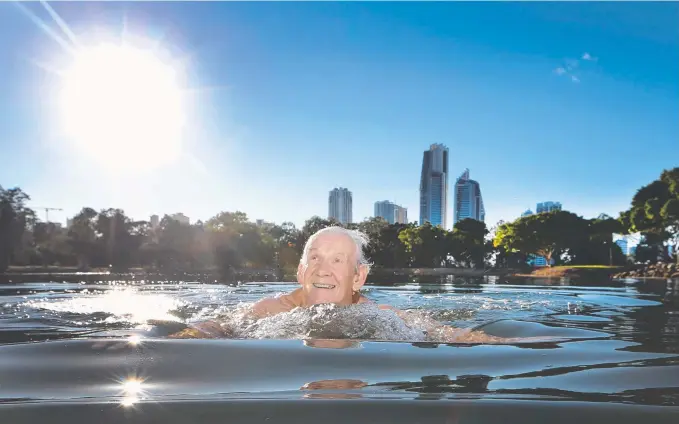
18,275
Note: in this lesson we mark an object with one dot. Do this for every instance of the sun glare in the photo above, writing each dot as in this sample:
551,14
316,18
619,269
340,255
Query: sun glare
123,107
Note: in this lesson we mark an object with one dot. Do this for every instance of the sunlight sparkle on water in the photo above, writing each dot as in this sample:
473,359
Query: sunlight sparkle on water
132,388
122,304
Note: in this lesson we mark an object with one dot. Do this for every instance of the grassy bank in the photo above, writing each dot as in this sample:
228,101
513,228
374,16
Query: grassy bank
575,271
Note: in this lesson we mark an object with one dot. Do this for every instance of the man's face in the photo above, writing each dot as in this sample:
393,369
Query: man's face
330,274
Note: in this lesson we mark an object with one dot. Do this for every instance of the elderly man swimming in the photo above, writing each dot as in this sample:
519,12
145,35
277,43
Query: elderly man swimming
333,268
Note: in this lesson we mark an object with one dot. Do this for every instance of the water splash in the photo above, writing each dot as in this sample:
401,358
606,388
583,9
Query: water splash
364,321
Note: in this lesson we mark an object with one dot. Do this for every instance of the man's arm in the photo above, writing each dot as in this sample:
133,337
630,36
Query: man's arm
213,329
437,331
202,330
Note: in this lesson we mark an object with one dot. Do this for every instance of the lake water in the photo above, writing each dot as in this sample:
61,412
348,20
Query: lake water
72,353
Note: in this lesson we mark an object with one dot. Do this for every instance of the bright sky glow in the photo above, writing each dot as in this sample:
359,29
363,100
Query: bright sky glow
122,106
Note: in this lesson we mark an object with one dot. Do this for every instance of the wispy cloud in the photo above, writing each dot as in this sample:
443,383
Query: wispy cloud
589,57
571,66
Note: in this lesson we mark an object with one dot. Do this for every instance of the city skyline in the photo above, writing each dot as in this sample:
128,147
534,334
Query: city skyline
271,116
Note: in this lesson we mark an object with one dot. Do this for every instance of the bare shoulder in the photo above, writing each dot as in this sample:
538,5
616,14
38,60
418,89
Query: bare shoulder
272,306
388,308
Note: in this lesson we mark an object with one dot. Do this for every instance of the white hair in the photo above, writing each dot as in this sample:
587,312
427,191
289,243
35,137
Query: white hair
359,238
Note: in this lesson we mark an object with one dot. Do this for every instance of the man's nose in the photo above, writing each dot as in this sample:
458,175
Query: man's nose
323,268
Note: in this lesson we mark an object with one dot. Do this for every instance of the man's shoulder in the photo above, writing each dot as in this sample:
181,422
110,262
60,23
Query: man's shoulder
273,305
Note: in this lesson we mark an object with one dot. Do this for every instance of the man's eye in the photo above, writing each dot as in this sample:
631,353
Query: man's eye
314,257
338,260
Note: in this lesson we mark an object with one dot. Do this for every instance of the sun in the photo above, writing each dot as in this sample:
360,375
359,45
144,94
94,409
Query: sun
122,106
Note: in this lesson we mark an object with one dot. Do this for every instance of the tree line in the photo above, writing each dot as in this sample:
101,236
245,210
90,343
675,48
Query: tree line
230,241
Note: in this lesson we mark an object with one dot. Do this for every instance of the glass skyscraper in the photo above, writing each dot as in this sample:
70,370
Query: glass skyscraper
434,186
548,207
468,199
391,212
340,205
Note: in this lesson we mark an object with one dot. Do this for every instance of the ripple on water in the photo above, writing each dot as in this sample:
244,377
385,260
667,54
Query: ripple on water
617,300
581,318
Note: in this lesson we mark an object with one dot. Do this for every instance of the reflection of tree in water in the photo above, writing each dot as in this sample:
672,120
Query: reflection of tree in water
449,283
438,386
655,328
654,396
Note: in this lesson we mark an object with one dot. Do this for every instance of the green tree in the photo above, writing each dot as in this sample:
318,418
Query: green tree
82,237
15,217
237,242
469,245
428,246
654,211
119,237
285,238
175,246
311,226
546,234
51,245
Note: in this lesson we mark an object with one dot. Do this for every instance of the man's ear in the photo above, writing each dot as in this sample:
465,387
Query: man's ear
360,277
300,272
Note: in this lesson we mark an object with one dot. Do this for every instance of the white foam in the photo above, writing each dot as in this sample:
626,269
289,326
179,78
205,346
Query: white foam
364,321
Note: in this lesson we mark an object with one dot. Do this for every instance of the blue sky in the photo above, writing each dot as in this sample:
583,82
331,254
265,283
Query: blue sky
289,100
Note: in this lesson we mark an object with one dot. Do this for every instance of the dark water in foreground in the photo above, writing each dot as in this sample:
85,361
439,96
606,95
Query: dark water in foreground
74,353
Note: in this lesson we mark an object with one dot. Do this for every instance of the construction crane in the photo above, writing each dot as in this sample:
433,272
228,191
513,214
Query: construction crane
47,211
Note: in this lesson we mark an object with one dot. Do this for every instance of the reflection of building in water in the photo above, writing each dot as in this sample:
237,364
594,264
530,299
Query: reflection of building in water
391,212
468,199
340,205
183,219
434,186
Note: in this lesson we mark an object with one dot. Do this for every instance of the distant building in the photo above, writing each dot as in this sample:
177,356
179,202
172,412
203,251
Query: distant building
391,212
263,224
183,219
538,261
623,245
155,221
468,199
548,207
401,215
340,205
434,186
69,222
527,213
